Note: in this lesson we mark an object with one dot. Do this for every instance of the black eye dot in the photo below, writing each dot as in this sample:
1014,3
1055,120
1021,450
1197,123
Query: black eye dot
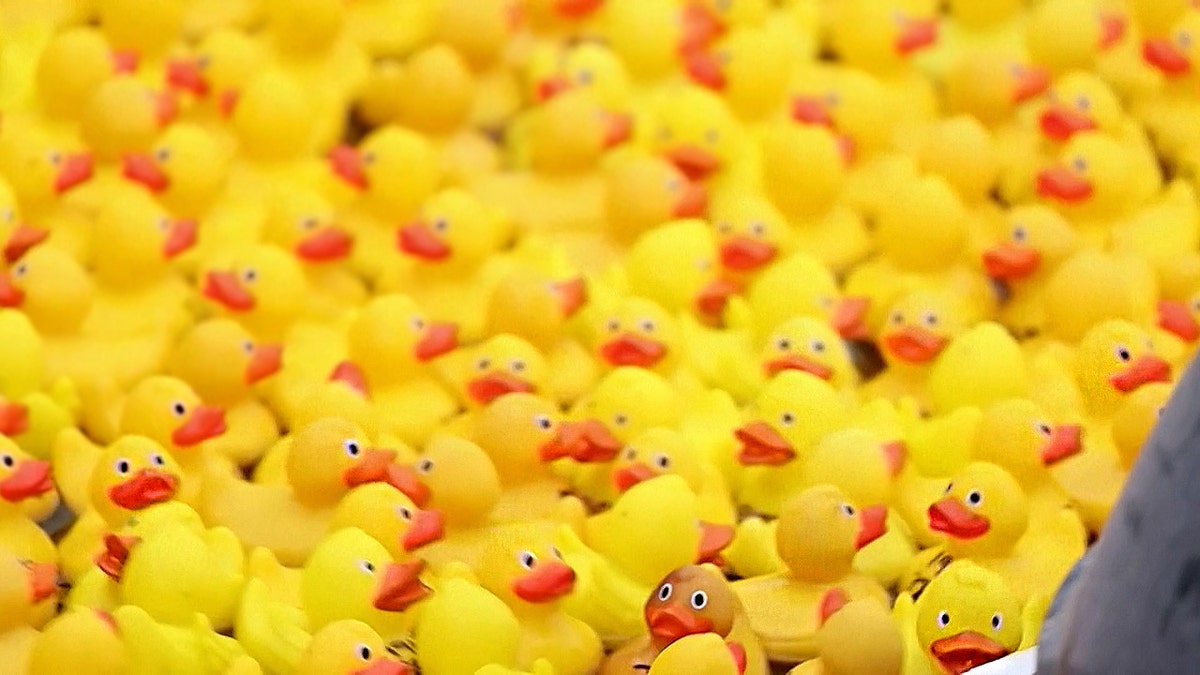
157,460
943,619
441,224
367,566
483,364
787,418
425,465
250,275
1019,234
352,448
783,344
848,510
647,326
997,621
8,460
162,154
122,466
664,592
518,366
1044,429
1123,354
178,408
949,487
527,559
364,653
662,461
974,497
543,422
818,346
620,419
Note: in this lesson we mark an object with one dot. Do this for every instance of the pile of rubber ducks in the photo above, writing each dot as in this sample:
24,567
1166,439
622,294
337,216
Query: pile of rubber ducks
578,336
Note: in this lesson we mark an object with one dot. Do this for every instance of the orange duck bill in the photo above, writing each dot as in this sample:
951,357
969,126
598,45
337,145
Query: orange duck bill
401,586
1010,261
577,9
1028,82
705,69
1062,184
426,527
894,454
950,516
713,539
1176,317
265,361
224,288
143,168
624,477
327,244
699,27
1166,56
116,551
347,163
73,170
420,241
711,300
692,201
745,254
762,445
915,34
670,622
372,466
23,238
349,374
546,582
405,479
439,338
572,295
187,75
695,163
583,441
489,387
629,349
1066,440
43,580
14,418
850,317
204,423
959,653
914,344
386,666
1060,122
148,486
872,525
181,236
797,362
1145,369
31,479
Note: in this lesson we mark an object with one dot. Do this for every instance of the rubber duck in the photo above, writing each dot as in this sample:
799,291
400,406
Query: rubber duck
123,115
502,364
261,287
73,63
349,646
646,35
30,591
985,516
28,498
43,170
483,33
1134,420
703,653
186,170
920,326
1130,293
858,637
791,413
637,332
152,646
32,413
751,232
784,609
642,191
1114,359
460,607
811,290
591,66
143,38
223,365
696,131
810,345
275,133
1038,240
660,451
525,570
1173,216
18,236
688,250
327,458
750,67
213,76
991,85
965,617
405,527
78,639
1058,39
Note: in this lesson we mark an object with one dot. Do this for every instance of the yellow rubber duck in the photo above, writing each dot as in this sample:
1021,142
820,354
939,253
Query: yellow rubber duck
642,191
965,617
223,364
791,413
704,654
192,648
688,250
920,326
1133,421
30,413
751,232
859,637
646,35
141,38
261,287
327,458
991,85
696,131
525,570
750,67
43,170
275,133
812,291
784,608
186,170
124,115
349,646
388,515
71,65
1114,359
1058,39
79,639
1129,293
213,75
502,364
460,607
985,516
28,498
1037,242
637,332
30,593
660,451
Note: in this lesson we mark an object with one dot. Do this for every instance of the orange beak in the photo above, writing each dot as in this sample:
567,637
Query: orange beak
831,603
124,61
1175,316
585,441
849,318
894,453
629,349
147,487
143,168
1066,440
705,69
204,423
550,87
710,302
617,129
1063,184
959,653
950,516
745,254
180,237
1145,369
797,362
695,163
916,34
418,240
347,164
914,344
75,169
700,27
577,9
692,202
349,374
43,581
404,478
713,539
487,388
14,418
116,551
572,295
23,238
426,528
1029,81
439,338
372,466
264,362
1163,54
326,244
31,479
811,110
547,582
670,622
1010,261
762,445
1060,122
166,107
872,525
386,667
186,75
623,477
224,287
227,102
401,586
1112,29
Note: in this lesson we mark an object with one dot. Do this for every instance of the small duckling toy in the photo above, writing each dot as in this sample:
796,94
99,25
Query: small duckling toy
660,451
388,515
858,637
261,287
28,497
688,249
1137,416
30,593
643,191
79,639
503,364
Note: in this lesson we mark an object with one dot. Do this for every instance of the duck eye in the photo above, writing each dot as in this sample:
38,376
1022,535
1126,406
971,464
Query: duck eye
584,77
164,224
897,317
351,447
612,325
647,326
543,422
631,453
787,418
158,460
1082,103
308,223
783,344
250,275
368,157
178,408
673,185
930,318
949,487
527,559
364,652
620,419
54,157
483,364
848,510
758,229
662,461
711,136
699,600
1079,164
1019,234
997,621
203,61
366,566
8,461
404,512
1122,353
162,154
21,270
122,466
1042,428
518,366
441,224
818,345
1184,39
664,592
425,465
974,498
943,619
248,346
724,227
417,323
